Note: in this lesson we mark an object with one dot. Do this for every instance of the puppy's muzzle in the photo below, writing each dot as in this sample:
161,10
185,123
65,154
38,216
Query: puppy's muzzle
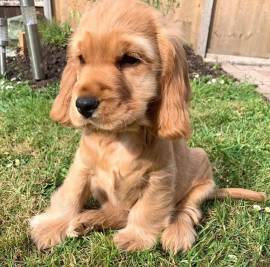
87,106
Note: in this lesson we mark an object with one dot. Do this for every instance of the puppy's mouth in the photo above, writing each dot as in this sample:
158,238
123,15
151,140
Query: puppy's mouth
106,124
102,116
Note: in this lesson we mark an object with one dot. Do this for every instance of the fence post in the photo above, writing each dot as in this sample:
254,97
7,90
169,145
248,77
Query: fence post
205,27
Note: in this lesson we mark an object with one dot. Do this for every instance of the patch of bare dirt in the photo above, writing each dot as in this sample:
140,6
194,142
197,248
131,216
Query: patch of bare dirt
54,60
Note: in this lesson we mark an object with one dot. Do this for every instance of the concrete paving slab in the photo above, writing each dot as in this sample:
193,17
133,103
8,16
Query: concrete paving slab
258,75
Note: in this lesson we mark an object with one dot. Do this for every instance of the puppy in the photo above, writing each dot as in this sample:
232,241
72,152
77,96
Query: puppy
126,86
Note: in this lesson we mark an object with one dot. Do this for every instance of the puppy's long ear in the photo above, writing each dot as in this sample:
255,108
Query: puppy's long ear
173,116
61,105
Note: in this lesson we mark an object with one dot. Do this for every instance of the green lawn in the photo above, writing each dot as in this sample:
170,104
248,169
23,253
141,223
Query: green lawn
230,121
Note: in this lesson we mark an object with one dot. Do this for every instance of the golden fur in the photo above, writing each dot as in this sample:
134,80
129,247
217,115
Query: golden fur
133,156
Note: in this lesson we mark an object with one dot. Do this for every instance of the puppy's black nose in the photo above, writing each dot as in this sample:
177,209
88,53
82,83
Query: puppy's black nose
87,105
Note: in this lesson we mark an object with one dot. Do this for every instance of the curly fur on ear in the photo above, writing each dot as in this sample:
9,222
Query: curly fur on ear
173,117
60,108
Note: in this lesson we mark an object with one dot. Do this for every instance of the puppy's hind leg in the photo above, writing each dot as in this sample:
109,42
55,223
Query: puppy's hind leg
180,233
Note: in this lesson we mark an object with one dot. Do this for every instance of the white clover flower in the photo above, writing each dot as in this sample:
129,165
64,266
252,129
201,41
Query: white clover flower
17,162
9,165
214,80
221,81
209,82
197,76
13,79
9,87
232,257
257,207
267,209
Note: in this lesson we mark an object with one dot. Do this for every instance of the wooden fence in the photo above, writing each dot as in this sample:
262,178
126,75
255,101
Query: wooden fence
189,13
11,8
240,28
227,30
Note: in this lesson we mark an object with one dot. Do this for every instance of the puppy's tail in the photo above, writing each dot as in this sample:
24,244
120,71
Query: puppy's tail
238,193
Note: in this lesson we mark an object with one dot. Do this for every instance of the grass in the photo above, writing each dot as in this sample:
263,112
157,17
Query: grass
230,121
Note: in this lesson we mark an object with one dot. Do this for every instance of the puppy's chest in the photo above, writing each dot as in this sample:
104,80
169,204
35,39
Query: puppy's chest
119,173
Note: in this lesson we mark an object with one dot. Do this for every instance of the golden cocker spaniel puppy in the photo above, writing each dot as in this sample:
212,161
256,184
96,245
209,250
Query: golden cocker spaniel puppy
126,86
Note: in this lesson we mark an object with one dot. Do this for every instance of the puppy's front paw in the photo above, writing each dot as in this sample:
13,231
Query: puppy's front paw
79,226
133,240
48,230
178,236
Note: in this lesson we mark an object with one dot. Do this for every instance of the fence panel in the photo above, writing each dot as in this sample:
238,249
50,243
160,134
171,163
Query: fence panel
188,13
241,28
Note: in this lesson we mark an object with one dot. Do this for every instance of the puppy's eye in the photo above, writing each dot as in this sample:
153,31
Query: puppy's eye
82,61
128,61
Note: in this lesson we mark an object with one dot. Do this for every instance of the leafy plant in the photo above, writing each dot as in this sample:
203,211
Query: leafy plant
164,5
55,33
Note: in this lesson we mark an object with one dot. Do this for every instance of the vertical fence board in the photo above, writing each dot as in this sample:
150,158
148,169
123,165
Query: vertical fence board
205,27
69,10
189,16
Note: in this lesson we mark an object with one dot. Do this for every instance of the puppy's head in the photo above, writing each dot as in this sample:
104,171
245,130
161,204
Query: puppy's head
126,67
